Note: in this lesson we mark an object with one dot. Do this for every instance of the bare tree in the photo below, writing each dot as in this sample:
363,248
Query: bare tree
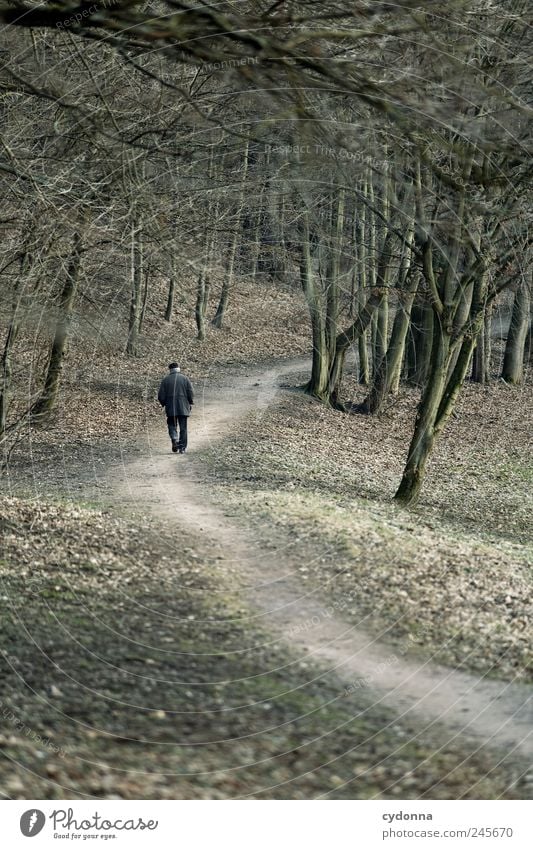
513,361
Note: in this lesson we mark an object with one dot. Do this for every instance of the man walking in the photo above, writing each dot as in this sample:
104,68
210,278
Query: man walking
176,396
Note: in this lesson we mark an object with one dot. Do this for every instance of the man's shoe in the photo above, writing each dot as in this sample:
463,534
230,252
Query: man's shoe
182,450
174,446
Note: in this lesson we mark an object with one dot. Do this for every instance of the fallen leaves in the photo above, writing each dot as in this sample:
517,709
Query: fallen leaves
165,691
449,567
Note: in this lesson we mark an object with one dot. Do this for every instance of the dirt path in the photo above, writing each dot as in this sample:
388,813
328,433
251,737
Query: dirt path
175,487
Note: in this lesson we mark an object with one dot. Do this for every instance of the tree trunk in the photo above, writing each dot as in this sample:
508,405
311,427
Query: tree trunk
408,282
318,383
30,262
344,340
479,365
277,216
362,342
256,246
419,345
442,388
59,345
6,369
391,363
455,381
426,419
364,365
379,333
482,351
370,219
371,227
354,277
528,347
380,320
199,307
487,339
204,277
203,285
461,316
362,321
171,292
513,360
373,336
144,297
218,318
134,324
201,303
170,297
228,279
332,291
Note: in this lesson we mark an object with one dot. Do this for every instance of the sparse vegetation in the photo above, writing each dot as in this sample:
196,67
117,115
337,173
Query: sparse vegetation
322,212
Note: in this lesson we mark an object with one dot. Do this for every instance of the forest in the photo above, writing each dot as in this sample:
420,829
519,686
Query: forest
321,211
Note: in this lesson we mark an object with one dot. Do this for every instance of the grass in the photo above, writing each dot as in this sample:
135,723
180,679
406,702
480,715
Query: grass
459,563
147,683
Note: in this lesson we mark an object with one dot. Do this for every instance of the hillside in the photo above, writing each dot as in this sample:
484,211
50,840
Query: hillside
305,229
150,612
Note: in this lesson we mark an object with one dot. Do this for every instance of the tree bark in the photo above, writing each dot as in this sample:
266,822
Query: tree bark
318,383
146,289
461,315
171,291
364,365
344,340
134,323
201,304
354,277
380,332
362,342
204,277
391,363
31,262
259,216
528,347
482,352
59,345
419,344
204,283
218,318
364,317
442,388
513,360
170,297
408,279
428,408
6,369
332,290
380,319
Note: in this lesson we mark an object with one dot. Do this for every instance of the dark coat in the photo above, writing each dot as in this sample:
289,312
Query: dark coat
176,394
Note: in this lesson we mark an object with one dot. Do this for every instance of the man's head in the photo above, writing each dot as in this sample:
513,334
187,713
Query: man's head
173,366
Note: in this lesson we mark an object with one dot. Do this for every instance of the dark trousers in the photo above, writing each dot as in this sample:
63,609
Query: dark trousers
173,423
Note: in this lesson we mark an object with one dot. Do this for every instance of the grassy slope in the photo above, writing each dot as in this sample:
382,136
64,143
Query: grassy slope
107,399
453,576
91,668
128,672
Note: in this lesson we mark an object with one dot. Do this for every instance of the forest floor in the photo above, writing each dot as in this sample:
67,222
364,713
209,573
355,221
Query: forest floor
255,619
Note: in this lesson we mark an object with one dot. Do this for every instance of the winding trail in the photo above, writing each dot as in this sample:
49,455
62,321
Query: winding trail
174,487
